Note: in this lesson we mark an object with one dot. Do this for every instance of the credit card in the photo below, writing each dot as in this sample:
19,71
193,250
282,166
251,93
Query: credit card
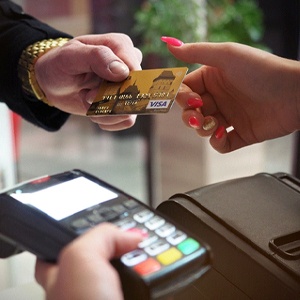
148,91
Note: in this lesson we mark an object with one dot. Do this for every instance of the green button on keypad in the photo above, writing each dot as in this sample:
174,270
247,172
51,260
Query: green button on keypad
188,246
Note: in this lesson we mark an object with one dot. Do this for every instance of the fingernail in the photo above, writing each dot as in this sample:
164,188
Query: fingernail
220,132
193,121
195,102
171,41
208,123
117,67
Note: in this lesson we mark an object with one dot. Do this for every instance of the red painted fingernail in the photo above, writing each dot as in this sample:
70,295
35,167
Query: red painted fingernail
193,121
195,102
220,132
171,41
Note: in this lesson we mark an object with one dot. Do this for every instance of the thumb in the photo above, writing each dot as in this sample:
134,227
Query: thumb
108,240
78,58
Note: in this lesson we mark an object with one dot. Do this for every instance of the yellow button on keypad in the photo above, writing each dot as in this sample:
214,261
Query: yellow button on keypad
170,256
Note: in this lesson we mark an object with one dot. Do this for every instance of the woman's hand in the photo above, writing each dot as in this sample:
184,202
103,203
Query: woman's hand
251,92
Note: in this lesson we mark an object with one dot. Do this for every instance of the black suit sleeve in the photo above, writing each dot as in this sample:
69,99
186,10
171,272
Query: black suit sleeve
17,31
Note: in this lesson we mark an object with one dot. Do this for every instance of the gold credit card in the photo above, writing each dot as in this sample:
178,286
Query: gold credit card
142,92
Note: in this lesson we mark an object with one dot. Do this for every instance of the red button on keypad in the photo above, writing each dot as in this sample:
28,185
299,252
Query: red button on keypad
147,267
142,231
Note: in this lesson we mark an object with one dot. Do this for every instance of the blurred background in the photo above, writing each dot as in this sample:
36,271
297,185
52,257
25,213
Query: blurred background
159,156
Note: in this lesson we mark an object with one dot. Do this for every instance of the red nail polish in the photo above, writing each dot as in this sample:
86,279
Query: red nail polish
195,102
171,41
220,132
193,121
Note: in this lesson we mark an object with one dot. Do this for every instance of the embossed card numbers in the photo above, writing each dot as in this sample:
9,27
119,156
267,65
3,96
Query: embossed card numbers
142,92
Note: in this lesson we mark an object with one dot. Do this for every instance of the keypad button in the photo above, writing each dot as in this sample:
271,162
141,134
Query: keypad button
143,216
148,241
80,224
155,223
176,237
107,213
147,267
142,231
169,257
188,246
103,210
157,247
95,218
133,258
130,204
126,224
119,209
165,230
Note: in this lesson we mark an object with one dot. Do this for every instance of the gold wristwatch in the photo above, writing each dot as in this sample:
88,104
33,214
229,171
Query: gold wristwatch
27,61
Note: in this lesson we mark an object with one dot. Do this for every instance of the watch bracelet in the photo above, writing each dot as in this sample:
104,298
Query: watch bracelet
27,61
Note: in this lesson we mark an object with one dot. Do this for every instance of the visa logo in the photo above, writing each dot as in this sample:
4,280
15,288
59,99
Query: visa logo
158,104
